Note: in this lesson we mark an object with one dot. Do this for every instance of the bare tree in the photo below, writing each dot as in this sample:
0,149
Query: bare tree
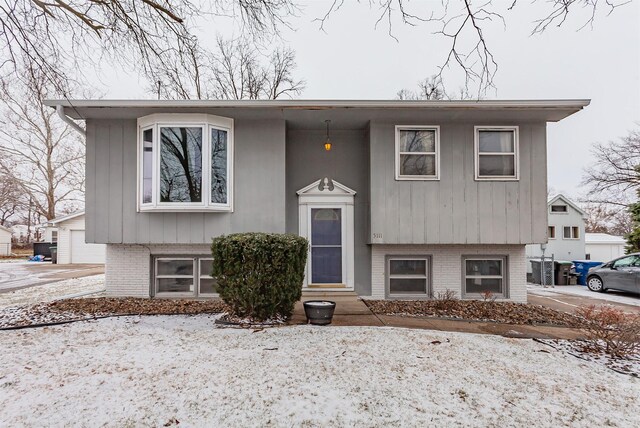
432,88
56,35
604,218
463,24
11,200
235,70
42,156
615,175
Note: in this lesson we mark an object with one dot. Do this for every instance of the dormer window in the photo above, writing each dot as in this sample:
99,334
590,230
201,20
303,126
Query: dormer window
558,208
185,162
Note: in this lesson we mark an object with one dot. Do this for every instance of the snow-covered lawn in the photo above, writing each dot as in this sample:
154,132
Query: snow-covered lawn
152,371
52,291
579,290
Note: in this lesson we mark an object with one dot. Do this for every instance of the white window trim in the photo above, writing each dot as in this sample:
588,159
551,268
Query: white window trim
504,263
400,177
555,232
426,277
515,153
207,122
571,237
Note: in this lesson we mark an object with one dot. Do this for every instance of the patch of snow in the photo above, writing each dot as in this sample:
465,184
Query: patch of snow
152,371
53,291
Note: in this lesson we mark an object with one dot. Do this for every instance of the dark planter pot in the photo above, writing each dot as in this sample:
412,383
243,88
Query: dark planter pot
319,312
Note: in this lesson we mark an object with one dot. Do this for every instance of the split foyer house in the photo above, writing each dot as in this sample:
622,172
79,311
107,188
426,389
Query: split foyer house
406,199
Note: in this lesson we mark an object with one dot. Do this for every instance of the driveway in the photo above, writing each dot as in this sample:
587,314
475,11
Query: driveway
14,276
569,298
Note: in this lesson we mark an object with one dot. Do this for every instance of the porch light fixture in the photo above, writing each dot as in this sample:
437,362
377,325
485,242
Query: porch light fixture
327,143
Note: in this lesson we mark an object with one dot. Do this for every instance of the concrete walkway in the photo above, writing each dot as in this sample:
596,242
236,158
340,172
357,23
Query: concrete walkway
18,275
352,311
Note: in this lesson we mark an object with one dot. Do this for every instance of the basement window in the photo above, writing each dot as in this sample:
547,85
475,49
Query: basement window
185,163
183,276
484,275
408,276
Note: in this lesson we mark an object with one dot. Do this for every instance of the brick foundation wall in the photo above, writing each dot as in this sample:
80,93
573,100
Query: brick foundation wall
128,267
446,261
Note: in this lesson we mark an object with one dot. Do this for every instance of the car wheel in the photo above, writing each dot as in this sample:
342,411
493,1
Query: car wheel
594,283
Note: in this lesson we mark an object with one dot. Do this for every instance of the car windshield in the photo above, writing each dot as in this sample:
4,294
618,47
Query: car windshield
626,262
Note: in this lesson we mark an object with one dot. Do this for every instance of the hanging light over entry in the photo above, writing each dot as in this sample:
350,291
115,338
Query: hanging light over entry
327,143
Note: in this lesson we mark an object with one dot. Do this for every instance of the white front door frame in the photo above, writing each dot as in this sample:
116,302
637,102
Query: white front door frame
326,194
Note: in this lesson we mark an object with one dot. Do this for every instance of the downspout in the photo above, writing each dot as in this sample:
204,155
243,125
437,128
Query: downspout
69,121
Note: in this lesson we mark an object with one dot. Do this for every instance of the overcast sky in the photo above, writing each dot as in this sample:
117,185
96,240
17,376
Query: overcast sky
353,60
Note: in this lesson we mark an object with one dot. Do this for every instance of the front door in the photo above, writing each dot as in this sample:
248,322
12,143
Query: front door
326,247
326,219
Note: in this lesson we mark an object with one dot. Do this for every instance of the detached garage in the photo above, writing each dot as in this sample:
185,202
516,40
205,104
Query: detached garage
71,244
602,247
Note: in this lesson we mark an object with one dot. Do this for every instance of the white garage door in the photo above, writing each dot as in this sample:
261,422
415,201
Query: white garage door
81,252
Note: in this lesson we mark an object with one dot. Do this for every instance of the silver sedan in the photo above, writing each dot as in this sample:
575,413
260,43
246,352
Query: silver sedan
619,274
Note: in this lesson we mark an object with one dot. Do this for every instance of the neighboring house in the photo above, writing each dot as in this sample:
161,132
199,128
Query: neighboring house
5,241
565,231
68,233
413,197
602,247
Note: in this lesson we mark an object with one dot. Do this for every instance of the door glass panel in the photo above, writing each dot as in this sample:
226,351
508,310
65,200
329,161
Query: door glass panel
326,265
326,226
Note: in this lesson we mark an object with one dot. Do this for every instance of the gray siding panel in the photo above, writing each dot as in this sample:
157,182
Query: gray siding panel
259,191
457,209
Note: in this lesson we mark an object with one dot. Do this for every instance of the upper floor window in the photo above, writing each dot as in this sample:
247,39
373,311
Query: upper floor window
558,208
571,232
185,162
552,232
496,152
417,152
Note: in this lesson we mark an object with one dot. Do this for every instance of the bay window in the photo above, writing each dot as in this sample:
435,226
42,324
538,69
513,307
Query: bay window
185,163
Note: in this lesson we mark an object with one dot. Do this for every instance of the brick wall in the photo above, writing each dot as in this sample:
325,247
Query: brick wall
128,267
447,266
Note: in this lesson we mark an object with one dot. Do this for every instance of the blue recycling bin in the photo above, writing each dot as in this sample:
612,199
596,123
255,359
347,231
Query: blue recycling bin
582,269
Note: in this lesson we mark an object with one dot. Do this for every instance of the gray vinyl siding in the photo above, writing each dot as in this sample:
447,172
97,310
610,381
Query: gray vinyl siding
457,209
111,188
307,161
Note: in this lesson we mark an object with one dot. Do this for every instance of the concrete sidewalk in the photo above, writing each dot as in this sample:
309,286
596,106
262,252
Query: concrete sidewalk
352,311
